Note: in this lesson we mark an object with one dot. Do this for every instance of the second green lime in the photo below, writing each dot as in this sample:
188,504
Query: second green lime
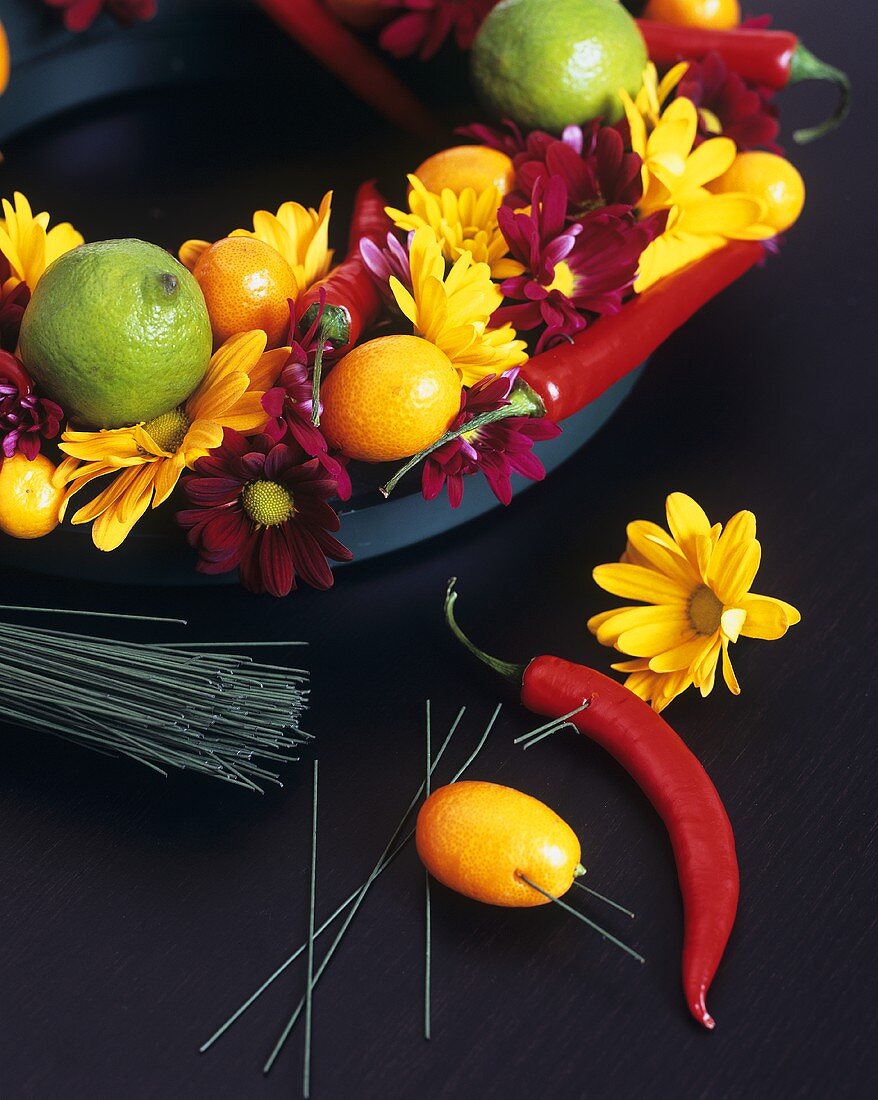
117,332
547,64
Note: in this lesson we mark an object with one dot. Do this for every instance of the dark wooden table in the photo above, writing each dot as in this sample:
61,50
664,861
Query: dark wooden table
137,913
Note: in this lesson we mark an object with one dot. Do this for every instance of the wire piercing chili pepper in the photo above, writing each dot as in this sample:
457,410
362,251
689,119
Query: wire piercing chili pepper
348,296
668,774
772,59
568,376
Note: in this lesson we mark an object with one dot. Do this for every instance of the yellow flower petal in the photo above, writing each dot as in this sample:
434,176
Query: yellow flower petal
651,639
683,656
687,522
729,673
659,550
608,626
767,618
634,582
732,621
191,251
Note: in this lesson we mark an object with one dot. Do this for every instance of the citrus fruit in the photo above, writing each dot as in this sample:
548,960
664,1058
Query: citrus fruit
476,166
477,838
117,332
549,63
768,177
718,15
29,502
4,60
389,398
246,285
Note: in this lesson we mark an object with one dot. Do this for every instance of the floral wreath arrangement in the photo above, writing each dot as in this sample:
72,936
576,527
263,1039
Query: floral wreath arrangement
523,274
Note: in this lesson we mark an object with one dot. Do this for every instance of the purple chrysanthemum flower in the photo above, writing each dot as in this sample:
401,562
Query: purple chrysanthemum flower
571,268
382,263
80,14
25,418
593,163
728,105
423,25
496,450
260,510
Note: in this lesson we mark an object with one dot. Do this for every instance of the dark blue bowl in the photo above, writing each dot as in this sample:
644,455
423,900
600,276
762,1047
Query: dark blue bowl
138,132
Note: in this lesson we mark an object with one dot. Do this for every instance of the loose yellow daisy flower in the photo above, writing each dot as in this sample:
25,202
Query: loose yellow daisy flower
28,244
675,175
453,311
300,234
464,221
148,459
696,582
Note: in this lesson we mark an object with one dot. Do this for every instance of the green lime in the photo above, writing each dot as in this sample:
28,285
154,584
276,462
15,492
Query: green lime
547,64
117,332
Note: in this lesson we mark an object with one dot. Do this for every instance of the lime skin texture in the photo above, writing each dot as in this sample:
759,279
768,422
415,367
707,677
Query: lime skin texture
117,332
547,64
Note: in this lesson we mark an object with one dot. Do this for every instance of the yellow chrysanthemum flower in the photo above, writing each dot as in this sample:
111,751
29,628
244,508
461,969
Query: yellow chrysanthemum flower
453,311
148,459
675,174
28,244
696,582
464,221
300,234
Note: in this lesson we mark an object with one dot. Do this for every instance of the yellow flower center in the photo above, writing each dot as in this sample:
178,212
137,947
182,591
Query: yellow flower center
169,430
705,611
564,280
267,503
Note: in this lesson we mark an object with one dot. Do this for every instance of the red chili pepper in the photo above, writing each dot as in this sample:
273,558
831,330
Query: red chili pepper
668,774
320,33
348,287
567,377
771,59
348,296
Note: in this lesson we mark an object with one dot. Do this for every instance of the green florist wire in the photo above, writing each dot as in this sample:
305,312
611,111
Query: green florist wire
364,889
172,705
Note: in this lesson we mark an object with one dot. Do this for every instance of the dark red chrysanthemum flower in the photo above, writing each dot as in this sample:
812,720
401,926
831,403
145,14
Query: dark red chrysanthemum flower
14,297
592,162
290,405
423,25
259,510
571,268
80,14
496,450
729,106
507,137
25,418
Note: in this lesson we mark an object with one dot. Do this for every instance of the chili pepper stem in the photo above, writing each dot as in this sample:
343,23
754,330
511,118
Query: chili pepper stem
579,871
511,671
523,401
805,66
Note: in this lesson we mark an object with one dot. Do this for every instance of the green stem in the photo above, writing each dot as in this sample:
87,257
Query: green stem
316,378
523,401
511,671
805,66
335,330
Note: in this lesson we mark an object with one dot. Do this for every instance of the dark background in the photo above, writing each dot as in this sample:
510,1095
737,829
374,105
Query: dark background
137,912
